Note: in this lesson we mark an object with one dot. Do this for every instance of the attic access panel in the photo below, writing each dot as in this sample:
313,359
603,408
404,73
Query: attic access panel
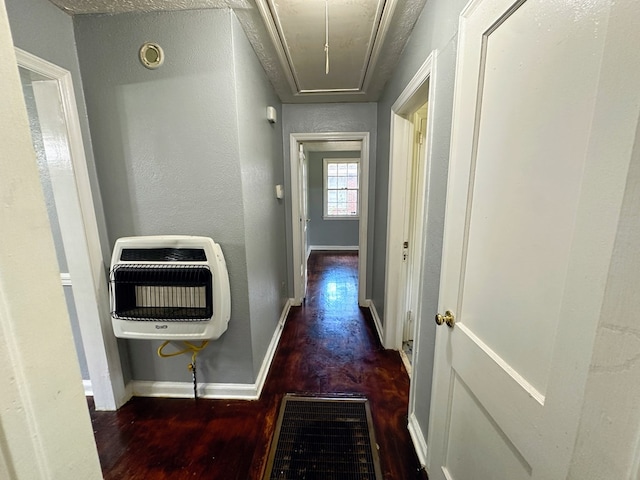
356,33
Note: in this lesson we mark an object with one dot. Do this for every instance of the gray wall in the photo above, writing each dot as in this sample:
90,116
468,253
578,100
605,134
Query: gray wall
40,28
325,118
171,160
261,170
436,29
321,232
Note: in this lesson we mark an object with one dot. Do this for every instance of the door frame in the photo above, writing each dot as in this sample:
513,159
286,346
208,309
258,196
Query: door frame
295,139
100,345
420,88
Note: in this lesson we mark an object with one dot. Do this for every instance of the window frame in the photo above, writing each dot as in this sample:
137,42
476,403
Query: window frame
325,188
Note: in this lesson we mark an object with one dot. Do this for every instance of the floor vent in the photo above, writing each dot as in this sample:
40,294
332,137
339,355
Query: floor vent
323,438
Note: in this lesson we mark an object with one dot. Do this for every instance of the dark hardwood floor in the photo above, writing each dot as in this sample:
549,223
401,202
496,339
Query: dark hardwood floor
328,346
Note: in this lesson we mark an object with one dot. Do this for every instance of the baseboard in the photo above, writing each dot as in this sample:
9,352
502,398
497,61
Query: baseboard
271,350
417,437
335,247
230,391
88,388
376,320
236,391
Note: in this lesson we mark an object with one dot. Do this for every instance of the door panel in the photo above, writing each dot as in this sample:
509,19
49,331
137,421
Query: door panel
526,186
525,95
476,441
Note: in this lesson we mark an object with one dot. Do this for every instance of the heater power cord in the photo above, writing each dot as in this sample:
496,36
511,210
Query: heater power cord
188,347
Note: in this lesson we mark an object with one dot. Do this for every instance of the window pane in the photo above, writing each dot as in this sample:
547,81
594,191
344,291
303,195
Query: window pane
341,188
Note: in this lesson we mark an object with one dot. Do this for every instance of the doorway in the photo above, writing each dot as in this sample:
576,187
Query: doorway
411,143
351,142
57,139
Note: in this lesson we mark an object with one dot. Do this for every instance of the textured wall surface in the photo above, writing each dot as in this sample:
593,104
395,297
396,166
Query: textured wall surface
436,29
325,118
167,153
321,232
261,170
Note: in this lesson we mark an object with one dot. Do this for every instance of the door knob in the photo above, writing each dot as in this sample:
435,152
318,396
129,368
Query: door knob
447,318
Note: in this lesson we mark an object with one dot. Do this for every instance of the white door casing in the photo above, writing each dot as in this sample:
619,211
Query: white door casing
303,214
420,88
74,202
298,255
525,257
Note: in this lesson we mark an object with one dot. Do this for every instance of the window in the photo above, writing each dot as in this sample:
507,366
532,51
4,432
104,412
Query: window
341,183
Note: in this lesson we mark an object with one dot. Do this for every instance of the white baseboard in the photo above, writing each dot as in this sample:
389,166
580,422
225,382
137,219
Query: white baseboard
88,388
419,442
376,319
237,391
271,350
335,247
231,391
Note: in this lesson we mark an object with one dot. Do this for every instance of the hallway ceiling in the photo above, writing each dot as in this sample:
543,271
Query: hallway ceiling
365,38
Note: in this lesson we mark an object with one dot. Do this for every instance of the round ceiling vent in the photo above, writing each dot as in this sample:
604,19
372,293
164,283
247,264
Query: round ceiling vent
151,55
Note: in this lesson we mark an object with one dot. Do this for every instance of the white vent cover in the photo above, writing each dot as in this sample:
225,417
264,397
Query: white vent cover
170,287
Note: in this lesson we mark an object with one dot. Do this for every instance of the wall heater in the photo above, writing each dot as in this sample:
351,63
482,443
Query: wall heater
169,288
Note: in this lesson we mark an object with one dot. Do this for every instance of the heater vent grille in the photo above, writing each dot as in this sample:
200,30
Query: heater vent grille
163,255
151,292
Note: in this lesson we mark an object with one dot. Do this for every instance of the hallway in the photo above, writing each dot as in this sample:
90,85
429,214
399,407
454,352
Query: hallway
328,346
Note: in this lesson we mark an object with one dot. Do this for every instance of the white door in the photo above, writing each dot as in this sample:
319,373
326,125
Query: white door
414,221
507,391
303,217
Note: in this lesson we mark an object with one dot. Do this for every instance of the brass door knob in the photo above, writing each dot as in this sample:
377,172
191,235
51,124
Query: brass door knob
447,318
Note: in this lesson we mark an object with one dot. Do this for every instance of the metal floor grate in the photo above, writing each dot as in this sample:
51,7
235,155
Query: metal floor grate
323,439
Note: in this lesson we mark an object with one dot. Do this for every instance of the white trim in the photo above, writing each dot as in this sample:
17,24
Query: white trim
406,362
376,318
325,188
346,248
418,439
400,144
103,358
237,391
271,350
411,98
88,388
231,391
272,30
295,139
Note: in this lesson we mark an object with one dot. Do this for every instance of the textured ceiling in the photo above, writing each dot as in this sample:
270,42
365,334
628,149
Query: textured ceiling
366,38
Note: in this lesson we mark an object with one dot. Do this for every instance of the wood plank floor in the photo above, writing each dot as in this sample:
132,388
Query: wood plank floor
328,346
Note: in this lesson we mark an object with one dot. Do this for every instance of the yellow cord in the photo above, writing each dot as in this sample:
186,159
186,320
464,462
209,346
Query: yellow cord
189,347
